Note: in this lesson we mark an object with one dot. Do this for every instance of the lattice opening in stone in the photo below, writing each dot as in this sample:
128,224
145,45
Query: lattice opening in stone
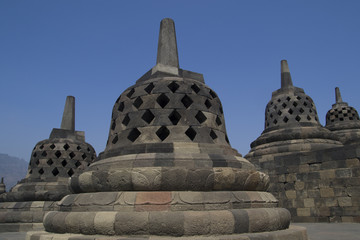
298,118
305,104
66,146
218,121
227,139
173,86
162,100
132,91
88,149
134,134
115,139
149,88
84,156
295,104
42,146
72,155
275,107
34,155
298,98
284,105
58,154
126,120
41,171
70,172
148,116
77,164
44,154
52,146
279,113
195,88
163,133
50,162
174,117
301,110
64,163
200,117
138,102
212,93
37,162
279,100
308,117
191,133
213,135
275,121
55,171
288,98
113,125
290,111
187,101
208,104
285,119
121,106
221,110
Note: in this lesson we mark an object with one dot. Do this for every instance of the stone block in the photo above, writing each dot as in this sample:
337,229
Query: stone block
304,168
303,212
131,223
345,201
326,192
197,223
352,162
291,177
104,223
331,202
326,174
309,202
291,194
166,223
221,222
299,185
343,173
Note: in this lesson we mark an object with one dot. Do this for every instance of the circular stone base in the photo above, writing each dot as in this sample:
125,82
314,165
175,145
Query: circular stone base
292,233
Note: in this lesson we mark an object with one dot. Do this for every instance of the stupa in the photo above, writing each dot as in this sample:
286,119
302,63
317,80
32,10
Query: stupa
343,120
52,162
168,170
2,186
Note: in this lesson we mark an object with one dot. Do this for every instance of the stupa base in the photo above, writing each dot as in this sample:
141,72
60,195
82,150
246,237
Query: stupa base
21,227
292,233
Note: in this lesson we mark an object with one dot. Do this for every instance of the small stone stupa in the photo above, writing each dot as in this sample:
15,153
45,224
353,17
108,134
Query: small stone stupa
291,123
2,186
168,169
343,120
52,162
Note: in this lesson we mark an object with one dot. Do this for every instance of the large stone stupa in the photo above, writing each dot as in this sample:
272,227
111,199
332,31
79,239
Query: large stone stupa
168,169
53,161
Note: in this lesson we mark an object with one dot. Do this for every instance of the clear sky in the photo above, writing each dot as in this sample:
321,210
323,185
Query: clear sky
94,50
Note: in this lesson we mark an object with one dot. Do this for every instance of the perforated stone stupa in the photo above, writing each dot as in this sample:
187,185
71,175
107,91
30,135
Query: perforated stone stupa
52,162
168,169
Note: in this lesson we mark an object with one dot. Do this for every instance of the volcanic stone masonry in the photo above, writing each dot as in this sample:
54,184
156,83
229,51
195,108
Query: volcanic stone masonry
314,170
168,170
52,162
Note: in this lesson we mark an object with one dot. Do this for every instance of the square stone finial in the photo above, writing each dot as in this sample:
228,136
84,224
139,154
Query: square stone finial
285,75
338,95
68,119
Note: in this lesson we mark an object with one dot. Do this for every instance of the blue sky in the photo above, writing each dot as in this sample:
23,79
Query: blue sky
94,50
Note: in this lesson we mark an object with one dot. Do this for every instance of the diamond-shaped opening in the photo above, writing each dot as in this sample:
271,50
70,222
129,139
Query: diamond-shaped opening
134,134
64,163
78,148
208,104
271,103
187,101
126,120
212,93
42,146
195,88
37,162
148,116
132,91
279,100
298,98
279,113
84,156
88,149
221,110
305,104
138,102
121,106
173,86
149,88
271,116
213,135
288,98
298,118
285,119
58,154
49,162
77,164
52,146
162,100
284,105
275,107
191,133
295,104
309,118
316,119
301,110
200,117
351,118
72,155
115,139
55,171
290,111
174,117
227,139
118,99
66,146
70,172
44,154
163,133
113,125
34,155
275,121
30,172
218,121
41,171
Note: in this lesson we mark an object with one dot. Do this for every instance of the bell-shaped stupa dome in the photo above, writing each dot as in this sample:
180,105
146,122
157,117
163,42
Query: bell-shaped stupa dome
343,120
291,122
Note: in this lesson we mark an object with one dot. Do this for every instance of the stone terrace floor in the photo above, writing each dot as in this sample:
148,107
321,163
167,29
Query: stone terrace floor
316,231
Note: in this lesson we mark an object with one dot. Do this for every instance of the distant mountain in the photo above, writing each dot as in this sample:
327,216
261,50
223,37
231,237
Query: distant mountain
12,169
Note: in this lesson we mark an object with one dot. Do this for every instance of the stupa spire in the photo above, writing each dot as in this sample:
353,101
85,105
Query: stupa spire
285,75
338,95
68,119
167,47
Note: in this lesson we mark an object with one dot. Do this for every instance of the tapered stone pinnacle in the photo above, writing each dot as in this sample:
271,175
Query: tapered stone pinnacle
2,180
285,75
167,48
338,95
68,119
